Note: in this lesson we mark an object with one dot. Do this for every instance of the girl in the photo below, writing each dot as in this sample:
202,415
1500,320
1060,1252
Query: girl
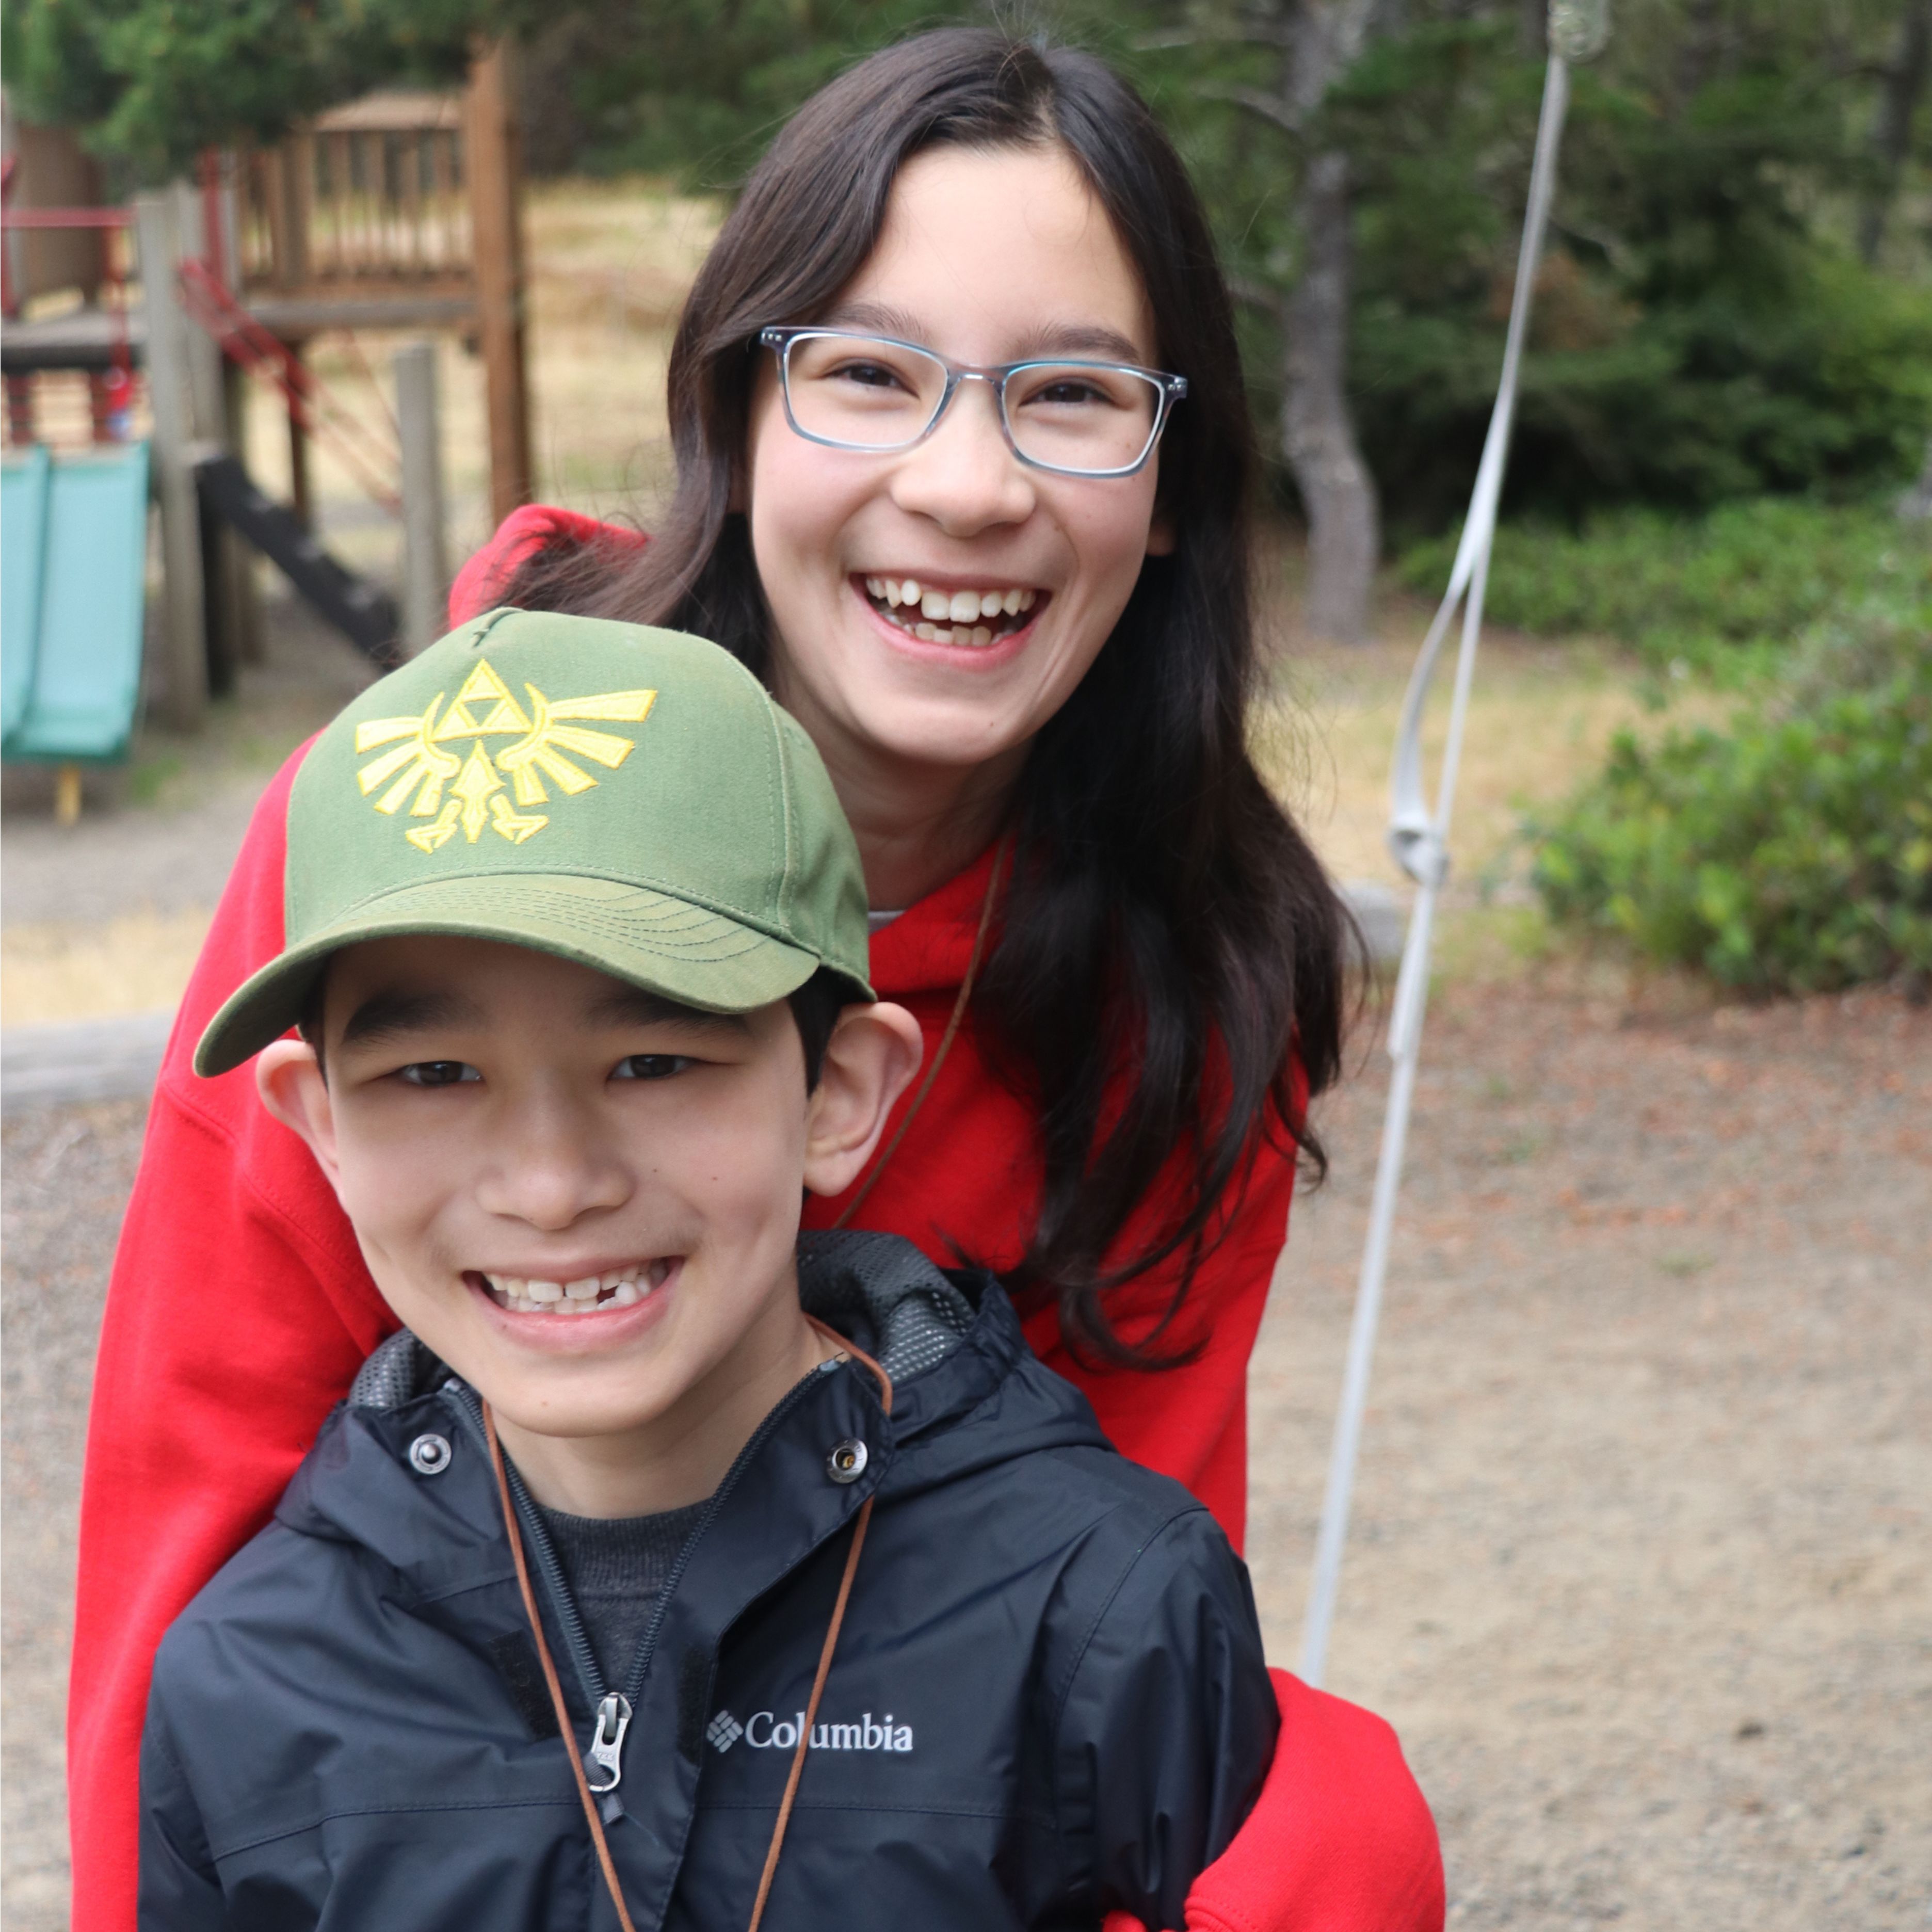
964,466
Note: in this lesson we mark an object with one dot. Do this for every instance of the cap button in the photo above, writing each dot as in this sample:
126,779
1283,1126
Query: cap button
847,1463
429,1455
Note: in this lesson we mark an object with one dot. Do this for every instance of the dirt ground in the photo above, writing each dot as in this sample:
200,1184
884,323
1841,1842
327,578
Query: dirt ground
1639,1564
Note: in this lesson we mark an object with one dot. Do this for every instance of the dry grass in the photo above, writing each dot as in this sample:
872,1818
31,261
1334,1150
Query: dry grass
138,963
1541,717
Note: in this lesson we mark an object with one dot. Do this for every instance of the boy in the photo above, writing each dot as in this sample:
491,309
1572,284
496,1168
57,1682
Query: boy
539,1635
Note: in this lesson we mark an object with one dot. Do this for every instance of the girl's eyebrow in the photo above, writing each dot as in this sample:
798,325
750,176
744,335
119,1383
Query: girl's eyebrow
1065,338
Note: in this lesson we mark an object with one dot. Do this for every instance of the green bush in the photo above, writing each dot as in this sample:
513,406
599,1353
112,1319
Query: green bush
1692,589
1793,852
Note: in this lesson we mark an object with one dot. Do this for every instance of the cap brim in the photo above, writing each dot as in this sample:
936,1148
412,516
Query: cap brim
667,945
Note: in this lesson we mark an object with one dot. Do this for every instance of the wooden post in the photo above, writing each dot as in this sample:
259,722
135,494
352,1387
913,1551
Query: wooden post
491,161
203,352
173,405
241,599
228,603
425,569
302,488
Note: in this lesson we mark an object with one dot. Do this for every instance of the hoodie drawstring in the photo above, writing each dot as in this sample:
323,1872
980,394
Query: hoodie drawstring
568,1730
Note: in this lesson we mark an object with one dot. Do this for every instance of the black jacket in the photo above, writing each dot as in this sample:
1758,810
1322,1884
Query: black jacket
1048,1698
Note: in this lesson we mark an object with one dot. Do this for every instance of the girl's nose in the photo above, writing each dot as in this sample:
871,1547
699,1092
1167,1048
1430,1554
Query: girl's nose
964,477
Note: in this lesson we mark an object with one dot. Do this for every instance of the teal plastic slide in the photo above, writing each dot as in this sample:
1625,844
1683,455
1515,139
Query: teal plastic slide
73,550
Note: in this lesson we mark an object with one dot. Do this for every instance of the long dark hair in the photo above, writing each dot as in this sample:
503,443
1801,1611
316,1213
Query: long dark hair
1169,944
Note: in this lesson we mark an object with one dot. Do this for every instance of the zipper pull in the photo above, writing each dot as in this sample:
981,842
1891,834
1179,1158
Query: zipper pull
607,1745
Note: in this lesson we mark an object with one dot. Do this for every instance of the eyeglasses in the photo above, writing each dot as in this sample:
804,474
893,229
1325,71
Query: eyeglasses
873,393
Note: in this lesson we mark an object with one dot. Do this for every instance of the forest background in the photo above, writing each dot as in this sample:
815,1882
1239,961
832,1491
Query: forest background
1728,385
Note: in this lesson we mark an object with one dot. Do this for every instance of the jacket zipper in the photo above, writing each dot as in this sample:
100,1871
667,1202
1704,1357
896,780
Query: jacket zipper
614,1709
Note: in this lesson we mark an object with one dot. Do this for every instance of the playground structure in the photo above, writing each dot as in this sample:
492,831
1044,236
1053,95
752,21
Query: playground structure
398,212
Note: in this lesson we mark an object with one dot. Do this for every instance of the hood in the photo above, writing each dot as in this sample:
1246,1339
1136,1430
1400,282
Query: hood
967,1393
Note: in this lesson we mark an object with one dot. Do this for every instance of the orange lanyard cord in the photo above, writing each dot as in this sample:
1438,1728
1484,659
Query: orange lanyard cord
568,1730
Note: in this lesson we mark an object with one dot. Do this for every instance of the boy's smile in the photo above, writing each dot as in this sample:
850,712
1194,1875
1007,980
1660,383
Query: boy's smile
581,1197
599,1291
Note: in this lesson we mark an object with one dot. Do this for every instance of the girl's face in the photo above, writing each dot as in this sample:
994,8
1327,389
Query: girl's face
987,257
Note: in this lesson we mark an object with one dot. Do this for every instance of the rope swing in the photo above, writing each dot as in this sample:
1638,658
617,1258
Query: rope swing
1419,838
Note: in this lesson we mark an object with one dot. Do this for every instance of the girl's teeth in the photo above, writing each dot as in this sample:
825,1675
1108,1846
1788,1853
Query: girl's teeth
586,1290
950,617
624,1293
545,1291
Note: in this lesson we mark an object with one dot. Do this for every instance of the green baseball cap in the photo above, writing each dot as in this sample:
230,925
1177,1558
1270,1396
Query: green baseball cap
630,799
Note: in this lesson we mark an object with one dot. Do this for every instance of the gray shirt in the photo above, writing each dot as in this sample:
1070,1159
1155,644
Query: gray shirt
616,1567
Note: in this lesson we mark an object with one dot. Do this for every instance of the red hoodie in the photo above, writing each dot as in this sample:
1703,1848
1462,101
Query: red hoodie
240,1310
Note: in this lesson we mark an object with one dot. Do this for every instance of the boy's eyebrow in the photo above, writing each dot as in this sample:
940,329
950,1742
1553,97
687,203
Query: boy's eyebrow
632,1006
386,1015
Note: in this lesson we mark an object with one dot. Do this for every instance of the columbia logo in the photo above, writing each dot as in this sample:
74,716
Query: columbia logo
766,1731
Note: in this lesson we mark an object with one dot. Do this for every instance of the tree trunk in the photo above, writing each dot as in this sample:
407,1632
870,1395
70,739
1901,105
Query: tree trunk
1904,81
1317,435
1916,505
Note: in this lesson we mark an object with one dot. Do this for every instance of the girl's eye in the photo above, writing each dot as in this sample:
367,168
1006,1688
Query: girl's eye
1067,393
437,1073
651,1066
869,375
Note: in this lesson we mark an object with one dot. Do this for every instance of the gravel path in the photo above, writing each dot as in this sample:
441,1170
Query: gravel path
1639,1563
1639,1567
67,1173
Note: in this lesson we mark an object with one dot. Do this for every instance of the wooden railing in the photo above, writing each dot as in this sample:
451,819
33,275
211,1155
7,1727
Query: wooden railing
371,199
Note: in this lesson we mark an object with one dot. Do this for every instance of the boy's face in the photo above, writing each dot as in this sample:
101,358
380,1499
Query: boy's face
505,1127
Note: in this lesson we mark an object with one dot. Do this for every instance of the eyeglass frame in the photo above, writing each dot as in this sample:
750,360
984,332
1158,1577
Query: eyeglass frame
1169,391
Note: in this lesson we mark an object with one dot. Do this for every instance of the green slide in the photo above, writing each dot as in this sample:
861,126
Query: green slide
73,569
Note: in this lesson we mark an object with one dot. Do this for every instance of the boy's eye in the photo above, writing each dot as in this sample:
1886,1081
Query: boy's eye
437,1073
651,1066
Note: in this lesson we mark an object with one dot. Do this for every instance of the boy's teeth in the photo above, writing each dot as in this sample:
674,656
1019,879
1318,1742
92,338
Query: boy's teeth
619,1288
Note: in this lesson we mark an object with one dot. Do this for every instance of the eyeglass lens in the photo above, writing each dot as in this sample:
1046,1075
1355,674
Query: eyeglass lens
868,394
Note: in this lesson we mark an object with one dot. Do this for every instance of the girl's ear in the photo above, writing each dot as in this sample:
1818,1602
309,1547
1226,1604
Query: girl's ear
288,1078
870,1061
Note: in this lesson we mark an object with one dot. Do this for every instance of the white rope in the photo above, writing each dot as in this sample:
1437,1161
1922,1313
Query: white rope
1419,840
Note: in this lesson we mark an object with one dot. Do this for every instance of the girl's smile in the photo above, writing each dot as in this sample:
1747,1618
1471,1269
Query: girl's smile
937,613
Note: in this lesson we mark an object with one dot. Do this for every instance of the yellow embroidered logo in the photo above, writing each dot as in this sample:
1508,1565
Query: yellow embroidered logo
423,764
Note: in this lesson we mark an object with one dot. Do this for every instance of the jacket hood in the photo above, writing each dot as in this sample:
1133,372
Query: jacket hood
968,1393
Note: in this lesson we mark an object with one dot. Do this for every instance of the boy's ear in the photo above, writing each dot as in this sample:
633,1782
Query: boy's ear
870,1061
288,1078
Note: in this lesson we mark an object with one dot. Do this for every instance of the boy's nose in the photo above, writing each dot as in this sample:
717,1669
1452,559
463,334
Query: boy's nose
552,1172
